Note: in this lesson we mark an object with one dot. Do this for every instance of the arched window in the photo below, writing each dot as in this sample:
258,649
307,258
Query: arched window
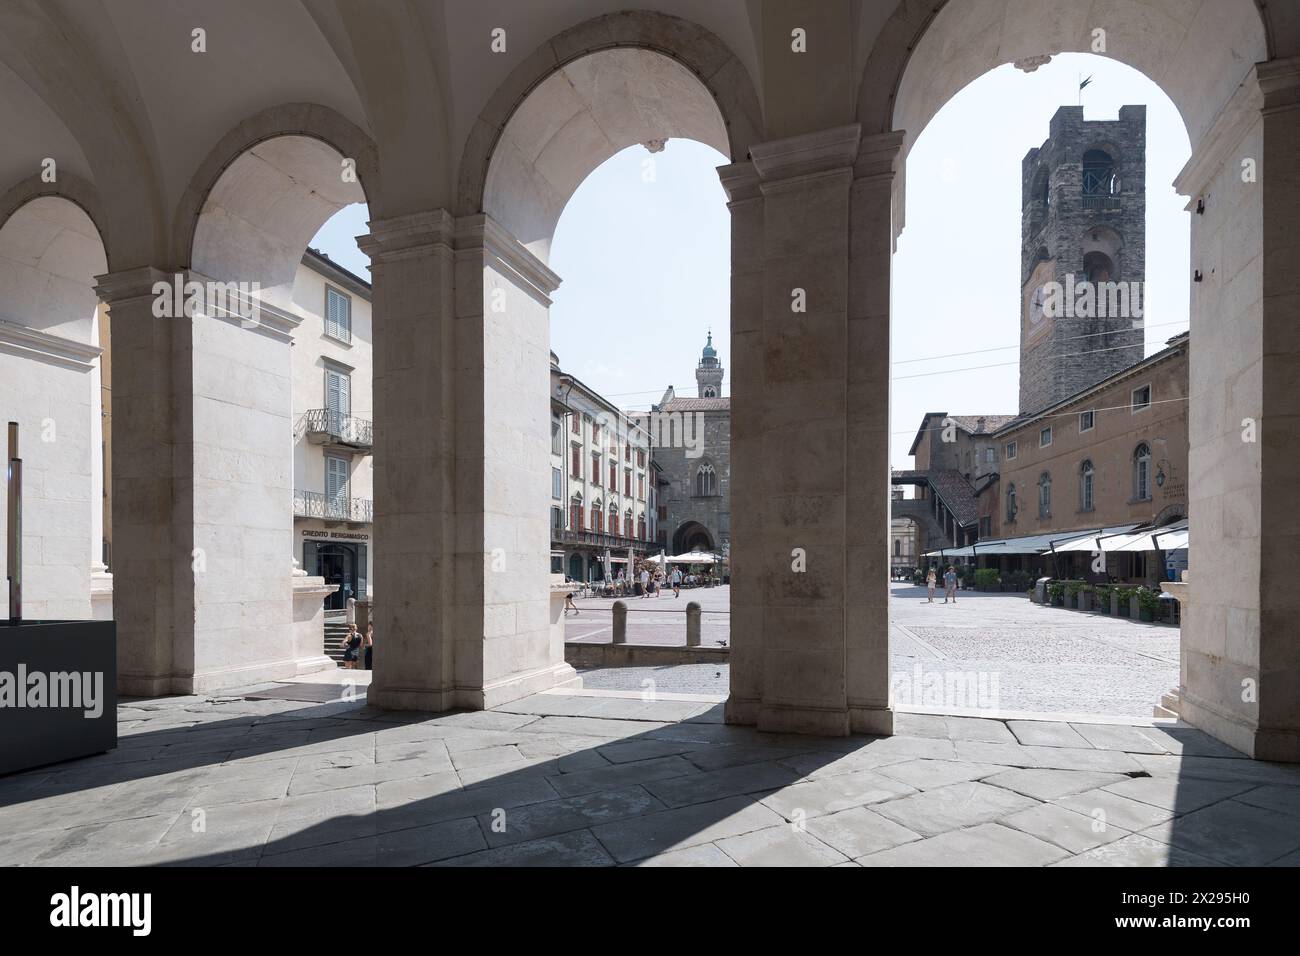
1142,472
898,547
613,518
1045,496
627,524
1085,486
1099,175
706,481
1011,503
597,518
575,514
640,526
710,391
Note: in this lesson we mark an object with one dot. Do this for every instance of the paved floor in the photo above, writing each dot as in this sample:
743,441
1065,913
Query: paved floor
987,652
599,780
660,619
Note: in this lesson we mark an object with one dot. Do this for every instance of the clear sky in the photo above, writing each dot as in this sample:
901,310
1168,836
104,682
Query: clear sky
646,271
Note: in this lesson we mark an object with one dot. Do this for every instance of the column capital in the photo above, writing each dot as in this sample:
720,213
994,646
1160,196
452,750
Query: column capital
807,154
130,284
1229,128
402,237
740,182
480,233
1279,82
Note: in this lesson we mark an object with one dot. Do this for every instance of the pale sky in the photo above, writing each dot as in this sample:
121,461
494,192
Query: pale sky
646,271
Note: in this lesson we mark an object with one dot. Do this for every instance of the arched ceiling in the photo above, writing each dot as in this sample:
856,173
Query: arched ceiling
50,253
579,117
1198,51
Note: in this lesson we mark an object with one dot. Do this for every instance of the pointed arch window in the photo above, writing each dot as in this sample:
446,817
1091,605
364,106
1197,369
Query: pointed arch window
1085,486
1011,502
1045,495
706,481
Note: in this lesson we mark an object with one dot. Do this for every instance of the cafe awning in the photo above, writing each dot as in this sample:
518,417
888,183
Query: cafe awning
1032,544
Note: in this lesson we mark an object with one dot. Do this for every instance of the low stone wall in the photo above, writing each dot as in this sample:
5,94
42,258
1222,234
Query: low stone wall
579,654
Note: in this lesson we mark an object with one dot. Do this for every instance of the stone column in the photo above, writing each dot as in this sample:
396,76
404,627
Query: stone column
201,493
1240,670
798,532
462,537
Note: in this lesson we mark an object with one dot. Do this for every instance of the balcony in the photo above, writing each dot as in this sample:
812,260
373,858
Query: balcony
1100,201
323,426
313,504
597,539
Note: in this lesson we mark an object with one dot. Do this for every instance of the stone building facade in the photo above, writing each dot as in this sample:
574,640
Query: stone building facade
602,482
1083,253
693,451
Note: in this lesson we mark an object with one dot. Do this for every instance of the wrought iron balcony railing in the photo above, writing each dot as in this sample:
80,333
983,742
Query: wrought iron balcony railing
313,504
614,542
324,426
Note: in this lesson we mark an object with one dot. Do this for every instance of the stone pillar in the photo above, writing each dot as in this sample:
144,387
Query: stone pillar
619,635
804,552
1240,670
462,538
693,624
202,519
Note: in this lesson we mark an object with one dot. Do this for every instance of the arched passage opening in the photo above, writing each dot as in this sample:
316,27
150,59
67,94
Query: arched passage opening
52,356
515,183
1206,63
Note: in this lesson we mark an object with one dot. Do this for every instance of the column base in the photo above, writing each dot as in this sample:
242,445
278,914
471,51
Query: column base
426,700
740,711
877,721
789,719
225,678
1232,731
555,677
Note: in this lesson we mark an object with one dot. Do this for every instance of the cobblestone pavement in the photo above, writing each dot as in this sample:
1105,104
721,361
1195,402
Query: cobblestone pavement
990,652
592,780
660,619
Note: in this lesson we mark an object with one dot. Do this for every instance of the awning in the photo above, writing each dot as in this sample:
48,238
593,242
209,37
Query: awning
1169,537
693,557
1083,540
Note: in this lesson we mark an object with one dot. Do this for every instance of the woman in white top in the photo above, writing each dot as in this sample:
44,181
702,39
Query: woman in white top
930,582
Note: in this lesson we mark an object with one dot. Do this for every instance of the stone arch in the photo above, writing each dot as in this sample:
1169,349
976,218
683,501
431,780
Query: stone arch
688,536
664,50
290,121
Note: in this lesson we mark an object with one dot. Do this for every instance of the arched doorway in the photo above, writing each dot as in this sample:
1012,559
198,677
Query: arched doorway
692,536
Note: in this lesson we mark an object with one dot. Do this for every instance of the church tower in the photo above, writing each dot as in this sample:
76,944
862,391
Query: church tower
708,374
1083,254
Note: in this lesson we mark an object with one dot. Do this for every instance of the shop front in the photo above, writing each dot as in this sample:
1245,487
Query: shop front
342,558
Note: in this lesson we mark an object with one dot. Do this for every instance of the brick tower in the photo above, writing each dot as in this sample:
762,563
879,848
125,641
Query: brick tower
1083,254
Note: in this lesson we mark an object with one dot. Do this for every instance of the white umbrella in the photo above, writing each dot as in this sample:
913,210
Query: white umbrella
694,557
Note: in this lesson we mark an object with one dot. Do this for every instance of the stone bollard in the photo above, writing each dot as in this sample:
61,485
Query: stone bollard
693,624
620,623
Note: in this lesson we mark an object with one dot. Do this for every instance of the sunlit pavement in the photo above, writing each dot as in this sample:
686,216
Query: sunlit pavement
987,651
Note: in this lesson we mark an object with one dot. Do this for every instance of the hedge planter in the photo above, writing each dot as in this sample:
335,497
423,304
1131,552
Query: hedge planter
1114,604
1085,600
1135,608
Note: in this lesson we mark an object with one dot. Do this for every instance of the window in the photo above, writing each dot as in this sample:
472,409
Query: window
640,527
575,424
1099,176
986,526
595,433
627,525
898,548
336,487
640,487
1011,451
557,484
338,398
557,440
1142,472
627,452
710,392
1086,421
640,458
557,519
1085,486
1141,398
575,514
706,481
577,461
1045,437
627,482
613,519
595,468
1045,496
613,474
1011,503
597,517
338,315
990,455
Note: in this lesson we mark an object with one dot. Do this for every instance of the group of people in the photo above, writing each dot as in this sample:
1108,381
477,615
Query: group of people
655,583
949,584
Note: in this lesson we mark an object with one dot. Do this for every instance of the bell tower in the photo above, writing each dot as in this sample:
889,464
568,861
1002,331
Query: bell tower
1083,254
708,374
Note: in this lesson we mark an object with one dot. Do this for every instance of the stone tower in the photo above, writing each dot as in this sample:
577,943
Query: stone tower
1083,254
708,374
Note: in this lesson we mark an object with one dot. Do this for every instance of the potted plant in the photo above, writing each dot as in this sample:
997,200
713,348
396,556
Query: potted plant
1149,604
1072,589
1056,593
1085,597
1122,601
986,579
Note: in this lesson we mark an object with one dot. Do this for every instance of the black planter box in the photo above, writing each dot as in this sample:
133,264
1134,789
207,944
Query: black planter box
76,662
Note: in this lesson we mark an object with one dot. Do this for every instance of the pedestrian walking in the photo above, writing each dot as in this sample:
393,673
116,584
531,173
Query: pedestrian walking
950,585
352,649
645,583
677,582
929,584
369,645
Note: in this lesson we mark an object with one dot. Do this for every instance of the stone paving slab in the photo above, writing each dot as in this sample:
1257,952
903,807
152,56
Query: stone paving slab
591,780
